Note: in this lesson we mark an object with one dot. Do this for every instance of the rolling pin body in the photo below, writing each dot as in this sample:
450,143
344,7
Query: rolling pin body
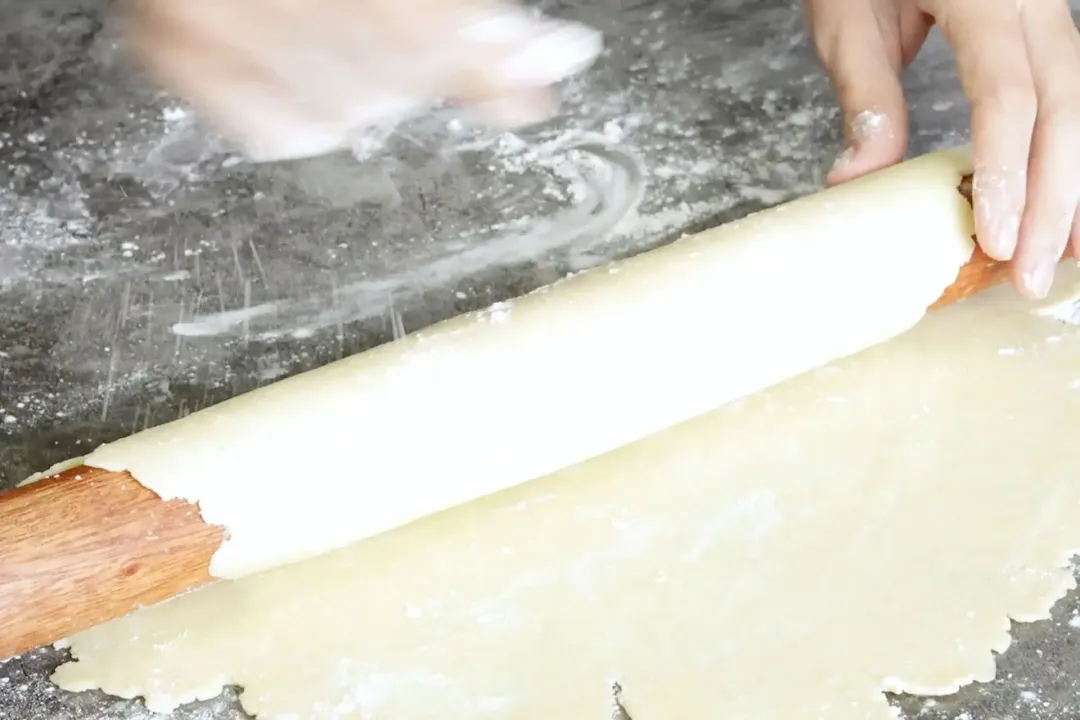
88,545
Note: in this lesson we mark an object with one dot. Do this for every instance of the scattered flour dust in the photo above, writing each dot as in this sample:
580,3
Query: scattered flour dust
625,166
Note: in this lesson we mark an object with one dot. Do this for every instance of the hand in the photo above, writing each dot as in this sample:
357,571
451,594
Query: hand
1019,63
287,78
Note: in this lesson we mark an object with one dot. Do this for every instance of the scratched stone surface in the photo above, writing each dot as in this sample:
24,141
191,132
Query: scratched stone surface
146,271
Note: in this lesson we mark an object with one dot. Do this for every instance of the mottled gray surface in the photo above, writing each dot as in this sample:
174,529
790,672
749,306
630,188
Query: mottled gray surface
146,272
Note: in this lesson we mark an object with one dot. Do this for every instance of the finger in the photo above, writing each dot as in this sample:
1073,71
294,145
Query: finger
994,70
242,99
242,80
864,65
520,55
516,109
244,102
1074,235
1053,182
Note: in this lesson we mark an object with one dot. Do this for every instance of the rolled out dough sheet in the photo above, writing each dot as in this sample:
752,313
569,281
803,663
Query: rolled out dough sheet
870,525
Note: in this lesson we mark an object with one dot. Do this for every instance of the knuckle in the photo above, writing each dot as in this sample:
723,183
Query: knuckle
1011,98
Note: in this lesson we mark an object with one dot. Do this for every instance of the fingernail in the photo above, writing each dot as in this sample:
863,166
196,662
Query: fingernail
999,233
998,196
502,25
556,53
1038,279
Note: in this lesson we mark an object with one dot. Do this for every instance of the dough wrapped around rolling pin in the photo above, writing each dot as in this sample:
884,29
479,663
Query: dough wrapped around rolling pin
495,398
484,402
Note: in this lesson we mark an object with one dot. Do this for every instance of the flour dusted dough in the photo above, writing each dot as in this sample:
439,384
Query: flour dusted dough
493,399
870,525
873,524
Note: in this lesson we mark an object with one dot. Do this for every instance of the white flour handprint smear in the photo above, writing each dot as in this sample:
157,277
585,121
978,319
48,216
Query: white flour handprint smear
611,182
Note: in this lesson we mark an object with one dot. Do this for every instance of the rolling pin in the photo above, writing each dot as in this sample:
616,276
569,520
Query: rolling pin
88,545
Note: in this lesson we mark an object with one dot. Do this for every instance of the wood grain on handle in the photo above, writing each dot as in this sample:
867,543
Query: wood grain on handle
980,273
90,545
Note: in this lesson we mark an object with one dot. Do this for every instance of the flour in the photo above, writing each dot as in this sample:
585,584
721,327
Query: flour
673,161
179,241
189,267
35,228
602,185
869,125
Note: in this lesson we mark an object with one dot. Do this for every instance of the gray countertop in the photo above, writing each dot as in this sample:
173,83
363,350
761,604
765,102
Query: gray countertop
146,271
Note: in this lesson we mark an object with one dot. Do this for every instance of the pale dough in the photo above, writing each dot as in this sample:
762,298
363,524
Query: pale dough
493,399
872,524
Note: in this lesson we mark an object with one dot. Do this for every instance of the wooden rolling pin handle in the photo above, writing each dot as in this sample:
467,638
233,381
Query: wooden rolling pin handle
90,545
980,273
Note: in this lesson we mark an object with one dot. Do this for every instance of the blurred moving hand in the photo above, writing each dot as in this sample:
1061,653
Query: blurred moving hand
295,78
1019,62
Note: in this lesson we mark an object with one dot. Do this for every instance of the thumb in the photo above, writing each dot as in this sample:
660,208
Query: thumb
862,55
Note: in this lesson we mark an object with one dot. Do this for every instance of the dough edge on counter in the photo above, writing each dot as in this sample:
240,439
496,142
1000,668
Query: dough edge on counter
871,526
